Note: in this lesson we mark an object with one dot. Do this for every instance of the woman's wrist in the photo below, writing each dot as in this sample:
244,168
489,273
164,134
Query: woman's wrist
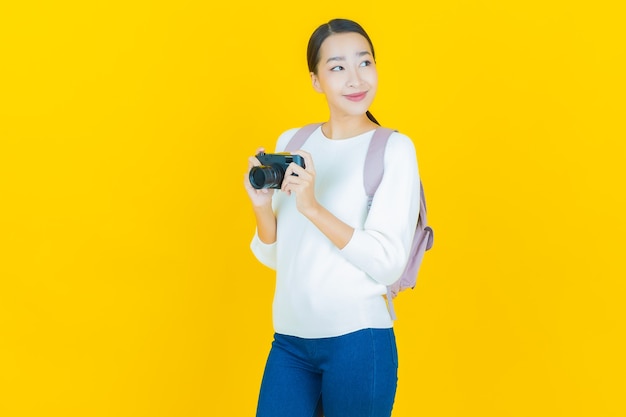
262,207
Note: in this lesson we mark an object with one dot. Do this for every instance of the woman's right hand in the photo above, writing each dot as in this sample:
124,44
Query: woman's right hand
260,197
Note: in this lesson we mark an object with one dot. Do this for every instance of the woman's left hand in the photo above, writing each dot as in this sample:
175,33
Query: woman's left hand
302,184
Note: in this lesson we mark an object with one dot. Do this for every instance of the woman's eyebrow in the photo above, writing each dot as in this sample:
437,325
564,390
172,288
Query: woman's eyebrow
343,58
335,58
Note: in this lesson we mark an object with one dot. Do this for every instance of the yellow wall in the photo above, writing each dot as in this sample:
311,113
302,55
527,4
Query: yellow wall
126,284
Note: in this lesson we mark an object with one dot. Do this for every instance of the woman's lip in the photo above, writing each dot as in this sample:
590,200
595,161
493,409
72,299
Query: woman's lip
356,96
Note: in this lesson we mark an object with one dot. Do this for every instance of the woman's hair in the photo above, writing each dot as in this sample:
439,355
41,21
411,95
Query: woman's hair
324,31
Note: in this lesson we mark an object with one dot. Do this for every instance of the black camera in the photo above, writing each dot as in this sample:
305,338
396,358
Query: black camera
271,172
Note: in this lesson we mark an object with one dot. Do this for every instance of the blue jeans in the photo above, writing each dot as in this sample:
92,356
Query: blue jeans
354,375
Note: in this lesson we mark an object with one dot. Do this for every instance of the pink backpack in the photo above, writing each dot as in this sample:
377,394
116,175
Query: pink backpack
372,176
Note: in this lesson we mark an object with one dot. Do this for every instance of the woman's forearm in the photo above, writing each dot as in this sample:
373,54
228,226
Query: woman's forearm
266,223
338,232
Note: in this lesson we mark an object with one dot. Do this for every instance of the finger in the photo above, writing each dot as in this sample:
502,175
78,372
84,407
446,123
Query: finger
246,182
289,183
253,162
308,159
294,168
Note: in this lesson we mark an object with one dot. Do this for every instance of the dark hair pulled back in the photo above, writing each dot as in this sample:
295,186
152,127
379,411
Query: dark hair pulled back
324,31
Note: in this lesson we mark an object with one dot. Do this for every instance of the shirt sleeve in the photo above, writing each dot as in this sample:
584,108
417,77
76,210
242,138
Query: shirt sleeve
264,252
381,248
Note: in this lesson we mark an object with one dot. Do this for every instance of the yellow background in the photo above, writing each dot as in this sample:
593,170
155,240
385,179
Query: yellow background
127,287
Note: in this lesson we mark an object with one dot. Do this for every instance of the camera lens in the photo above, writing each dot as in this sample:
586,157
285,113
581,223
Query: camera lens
265,176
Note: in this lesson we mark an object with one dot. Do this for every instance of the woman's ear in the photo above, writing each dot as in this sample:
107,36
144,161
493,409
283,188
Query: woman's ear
316,83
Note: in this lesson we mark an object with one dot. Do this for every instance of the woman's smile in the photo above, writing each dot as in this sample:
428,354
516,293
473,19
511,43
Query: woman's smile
356,96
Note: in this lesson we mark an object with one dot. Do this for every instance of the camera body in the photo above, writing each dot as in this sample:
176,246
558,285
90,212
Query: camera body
271,172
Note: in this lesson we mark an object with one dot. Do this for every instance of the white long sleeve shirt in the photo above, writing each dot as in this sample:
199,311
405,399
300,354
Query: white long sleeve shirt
324,291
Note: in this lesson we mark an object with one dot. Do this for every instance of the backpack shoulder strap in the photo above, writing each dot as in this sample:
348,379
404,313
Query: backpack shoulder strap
375,168
301,136
375,162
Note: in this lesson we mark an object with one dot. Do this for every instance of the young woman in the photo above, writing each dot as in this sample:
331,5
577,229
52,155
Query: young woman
334,346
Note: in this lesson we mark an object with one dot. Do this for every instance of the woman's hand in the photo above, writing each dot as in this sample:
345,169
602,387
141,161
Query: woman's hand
302,184
304,187
261,204
262,197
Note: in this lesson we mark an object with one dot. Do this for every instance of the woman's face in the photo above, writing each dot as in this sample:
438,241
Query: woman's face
346,74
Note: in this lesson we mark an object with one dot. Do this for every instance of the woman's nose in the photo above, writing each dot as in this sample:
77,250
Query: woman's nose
354,80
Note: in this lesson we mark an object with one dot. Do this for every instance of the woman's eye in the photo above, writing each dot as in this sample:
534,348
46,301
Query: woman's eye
337,68
366,63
